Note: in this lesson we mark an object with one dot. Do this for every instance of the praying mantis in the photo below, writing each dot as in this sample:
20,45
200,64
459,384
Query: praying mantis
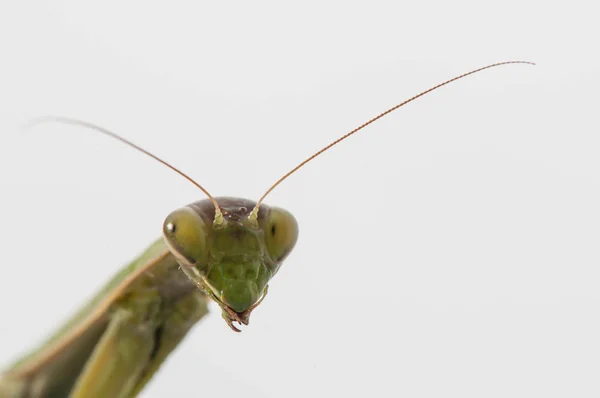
219,249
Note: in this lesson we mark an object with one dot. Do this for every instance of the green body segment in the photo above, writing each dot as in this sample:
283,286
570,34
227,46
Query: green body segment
115,344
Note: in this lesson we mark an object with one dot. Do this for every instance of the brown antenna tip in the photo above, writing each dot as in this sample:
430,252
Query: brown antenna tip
76,122
254,212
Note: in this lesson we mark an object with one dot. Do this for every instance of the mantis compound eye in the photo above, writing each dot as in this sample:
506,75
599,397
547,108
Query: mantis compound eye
281,233
185,233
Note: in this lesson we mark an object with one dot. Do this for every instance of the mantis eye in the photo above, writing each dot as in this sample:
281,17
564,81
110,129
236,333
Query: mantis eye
281,233
185,233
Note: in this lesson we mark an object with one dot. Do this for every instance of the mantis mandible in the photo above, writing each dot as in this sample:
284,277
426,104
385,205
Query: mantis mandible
221,249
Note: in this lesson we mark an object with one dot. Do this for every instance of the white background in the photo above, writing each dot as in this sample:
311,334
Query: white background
450,249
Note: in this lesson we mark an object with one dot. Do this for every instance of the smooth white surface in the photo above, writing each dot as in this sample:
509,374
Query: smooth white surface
451,249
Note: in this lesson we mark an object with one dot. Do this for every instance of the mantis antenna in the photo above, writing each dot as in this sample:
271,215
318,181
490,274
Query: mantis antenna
45,119
254,213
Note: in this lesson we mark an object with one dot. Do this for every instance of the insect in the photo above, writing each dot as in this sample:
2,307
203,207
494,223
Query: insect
222,249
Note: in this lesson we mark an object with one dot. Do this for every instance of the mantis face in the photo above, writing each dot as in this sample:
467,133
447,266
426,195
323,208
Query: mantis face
232,261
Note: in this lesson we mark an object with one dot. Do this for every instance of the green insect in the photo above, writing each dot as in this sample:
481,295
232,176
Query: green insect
229,249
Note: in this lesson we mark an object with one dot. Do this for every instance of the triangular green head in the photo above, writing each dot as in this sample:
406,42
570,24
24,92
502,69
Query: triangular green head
232,260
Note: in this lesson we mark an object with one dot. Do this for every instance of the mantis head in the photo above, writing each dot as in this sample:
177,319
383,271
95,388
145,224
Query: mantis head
234,258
